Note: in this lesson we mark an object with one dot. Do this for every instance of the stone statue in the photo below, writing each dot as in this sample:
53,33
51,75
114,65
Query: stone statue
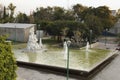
32,44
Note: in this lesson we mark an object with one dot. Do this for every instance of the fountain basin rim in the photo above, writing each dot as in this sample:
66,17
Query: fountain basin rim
109,56
53,68
63,69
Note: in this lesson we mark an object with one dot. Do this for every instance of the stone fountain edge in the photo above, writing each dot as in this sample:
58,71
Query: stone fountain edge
71,71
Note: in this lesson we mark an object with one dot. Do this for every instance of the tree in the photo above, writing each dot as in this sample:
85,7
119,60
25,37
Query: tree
105,16
78,9
77,37
43,14
54,20
22,18
94,24
11,7
5,15
103,12
68,15
98,19
7,61
58,13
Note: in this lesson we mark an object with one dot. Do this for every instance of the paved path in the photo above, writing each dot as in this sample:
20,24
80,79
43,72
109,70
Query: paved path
32,74
111,71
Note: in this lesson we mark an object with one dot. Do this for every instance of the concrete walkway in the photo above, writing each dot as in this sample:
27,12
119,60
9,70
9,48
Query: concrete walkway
111,71
32,74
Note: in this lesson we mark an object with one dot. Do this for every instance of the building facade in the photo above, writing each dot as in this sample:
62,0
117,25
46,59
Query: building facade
116,28
16,31
113,12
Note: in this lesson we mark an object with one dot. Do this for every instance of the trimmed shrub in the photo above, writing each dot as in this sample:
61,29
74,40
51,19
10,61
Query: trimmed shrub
7,61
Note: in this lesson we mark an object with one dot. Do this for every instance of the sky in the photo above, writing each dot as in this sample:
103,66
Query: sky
26,6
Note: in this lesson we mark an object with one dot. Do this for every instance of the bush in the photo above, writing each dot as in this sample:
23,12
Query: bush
7,61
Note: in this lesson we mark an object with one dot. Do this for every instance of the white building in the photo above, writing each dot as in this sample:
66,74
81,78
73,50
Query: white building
16,31
116,28
113,12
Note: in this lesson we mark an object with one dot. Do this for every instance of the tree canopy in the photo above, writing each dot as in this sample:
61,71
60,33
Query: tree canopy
54,19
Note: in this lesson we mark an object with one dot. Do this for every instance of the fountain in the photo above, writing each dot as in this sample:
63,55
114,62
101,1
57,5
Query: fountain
33,44
87,47
83,60
40,43
65,50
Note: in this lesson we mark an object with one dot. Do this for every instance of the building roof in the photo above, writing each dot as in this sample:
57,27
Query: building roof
16,25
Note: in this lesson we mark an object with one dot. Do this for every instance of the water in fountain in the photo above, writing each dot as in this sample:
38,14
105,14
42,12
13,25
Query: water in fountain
79,59
32,44
87,47
40,43
65,50
87,51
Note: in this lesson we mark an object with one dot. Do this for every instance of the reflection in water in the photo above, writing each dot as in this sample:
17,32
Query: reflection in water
87,55
32,57
79,59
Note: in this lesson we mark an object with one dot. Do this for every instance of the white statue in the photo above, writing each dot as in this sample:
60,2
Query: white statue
32,41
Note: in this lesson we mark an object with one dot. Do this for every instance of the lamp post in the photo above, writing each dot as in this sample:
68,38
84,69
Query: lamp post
15,34
38,32
15,21
68,44
90,37
106,36
38,27
0,12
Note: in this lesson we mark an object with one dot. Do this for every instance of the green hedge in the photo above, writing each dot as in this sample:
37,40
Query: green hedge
7,61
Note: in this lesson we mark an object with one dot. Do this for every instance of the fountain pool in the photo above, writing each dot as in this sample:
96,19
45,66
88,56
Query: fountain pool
53,57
